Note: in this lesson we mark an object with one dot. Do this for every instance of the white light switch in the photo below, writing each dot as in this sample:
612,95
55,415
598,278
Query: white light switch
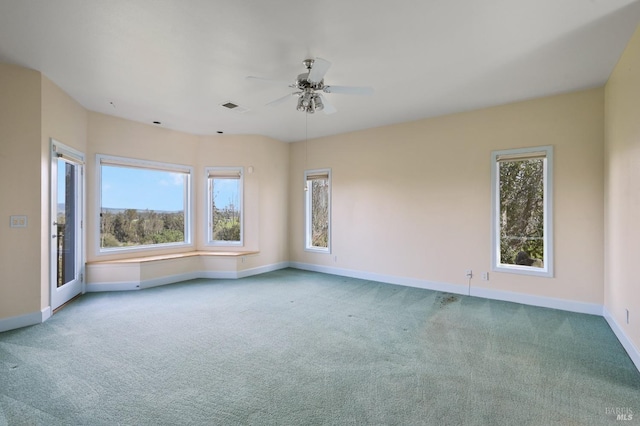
18,221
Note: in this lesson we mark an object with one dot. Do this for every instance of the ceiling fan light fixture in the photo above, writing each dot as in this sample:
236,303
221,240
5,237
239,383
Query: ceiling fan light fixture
301,107
308,98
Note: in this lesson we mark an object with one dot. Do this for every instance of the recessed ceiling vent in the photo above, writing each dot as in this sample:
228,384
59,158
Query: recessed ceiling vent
234,107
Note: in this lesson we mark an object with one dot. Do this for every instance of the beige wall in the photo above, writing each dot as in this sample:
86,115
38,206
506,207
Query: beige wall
266,196
33,110
64,120
20,190
265,190
110,135
413,200
410,200
622,191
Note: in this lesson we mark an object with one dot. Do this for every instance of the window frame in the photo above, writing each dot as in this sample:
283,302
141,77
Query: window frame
128,162
548,258
307,212
209,197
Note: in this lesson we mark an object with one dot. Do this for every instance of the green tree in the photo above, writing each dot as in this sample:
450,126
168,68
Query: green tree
168,236
521,209
133,227
225,222
108,240
320,213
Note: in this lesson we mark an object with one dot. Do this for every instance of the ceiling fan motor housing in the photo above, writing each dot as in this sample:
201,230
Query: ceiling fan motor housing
303,83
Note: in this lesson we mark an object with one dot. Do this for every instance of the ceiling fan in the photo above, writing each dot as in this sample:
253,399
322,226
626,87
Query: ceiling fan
310,88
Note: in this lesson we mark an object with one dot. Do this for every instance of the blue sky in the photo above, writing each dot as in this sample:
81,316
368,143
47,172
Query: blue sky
143,189
225,192
132,188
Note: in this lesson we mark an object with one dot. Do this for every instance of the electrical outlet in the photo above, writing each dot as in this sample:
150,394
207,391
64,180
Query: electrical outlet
469,273
18,221
485,276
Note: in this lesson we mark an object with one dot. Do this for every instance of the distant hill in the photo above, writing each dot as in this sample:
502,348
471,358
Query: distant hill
114,210
61,209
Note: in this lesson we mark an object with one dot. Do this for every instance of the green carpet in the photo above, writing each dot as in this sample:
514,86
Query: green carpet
300,348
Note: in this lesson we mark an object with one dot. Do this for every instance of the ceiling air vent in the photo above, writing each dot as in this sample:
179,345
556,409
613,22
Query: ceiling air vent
234,107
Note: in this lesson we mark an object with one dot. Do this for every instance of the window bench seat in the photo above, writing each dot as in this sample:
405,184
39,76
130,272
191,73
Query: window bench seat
151,271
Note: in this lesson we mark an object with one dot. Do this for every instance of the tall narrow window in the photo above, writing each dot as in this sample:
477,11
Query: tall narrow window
318,210
225,205
522,215
143,204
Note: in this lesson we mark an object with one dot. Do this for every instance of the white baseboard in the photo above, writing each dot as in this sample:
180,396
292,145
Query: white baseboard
25,320
628,345
115,286
525,299
540,301
390,279
45,313
218,275
171,279
262,269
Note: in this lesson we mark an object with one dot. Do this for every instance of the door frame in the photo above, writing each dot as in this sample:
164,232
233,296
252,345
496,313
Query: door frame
60,295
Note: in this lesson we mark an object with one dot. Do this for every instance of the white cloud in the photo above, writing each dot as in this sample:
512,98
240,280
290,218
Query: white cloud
177,179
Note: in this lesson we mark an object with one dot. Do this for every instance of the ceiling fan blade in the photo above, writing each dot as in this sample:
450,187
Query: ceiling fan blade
328,107
319,69
349,90
271,81
282,99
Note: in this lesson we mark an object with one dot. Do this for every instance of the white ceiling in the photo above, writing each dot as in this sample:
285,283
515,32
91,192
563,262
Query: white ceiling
175,61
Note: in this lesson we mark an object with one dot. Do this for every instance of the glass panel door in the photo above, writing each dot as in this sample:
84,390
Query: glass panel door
65,223
66,226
